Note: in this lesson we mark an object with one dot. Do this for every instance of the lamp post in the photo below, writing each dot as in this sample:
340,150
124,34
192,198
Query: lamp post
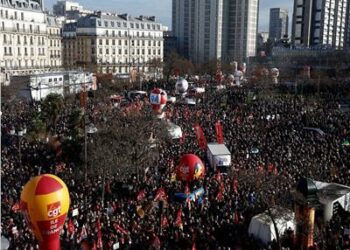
20,134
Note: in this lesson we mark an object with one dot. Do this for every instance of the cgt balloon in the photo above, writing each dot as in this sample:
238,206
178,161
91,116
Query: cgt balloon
158,100
45,203
190,168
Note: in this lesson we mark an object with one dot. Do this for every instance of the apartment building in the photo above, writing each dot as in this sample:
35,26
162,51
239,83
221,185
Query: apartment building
111,43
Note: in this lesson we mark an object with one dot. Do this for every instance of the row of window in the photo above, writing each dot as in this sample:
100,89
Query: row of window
5,14
113,52
7,39
133,42
8,51
132,25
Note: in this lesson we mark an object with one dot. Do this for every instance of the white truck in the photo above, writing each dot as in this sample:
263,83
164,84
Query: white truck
219,156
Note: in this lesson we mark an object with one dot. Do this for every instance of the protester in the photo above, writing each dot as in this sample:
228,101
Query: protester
137,214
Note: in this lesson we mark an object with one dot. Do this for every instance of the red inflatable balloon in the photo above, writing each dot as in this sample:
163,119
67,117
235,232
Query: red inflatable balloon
190,168
158,99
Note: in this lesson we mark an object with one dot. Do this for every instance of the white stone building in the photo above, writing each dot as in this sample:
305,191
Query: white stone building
54,28
111,43
25,38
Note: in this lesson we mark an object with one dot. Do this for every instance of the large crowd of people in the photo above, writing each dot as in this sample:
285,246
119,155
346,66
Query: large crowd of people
264,133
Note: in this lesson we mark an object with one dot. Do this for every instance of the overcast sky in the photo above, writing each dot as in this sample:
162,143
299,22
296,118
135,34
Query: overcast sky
162,8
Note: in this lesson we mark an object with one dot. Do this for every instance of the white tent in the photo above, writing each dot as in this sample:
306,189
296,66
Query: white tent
262,228
174,131
5,244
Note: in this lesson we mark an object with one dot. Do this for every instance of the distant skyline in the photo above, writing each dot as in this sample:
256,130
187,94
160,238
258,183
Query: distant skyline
162,9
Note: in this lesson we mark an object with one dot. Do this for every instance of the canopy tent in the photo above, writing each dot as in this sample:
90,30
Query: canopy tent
5,243
174,131
262,228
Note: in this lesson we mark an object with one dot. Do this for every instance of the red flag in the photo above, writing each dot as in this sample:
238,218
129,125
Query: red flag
164,221
156,242
218,76
218,177
219,133
16,207
108,188
194,246
98,224
160,195
99,240
70,227
120,229
220,196
178,221
202,141
187,189
236,219
270,168
141,195
235,185
93,247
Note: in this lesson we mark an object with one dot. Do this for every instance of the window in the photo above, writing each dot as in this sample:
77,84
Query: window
17,26
113,42
22,16
100,50
100,41
99,23
5,39
107,42
106,24
112,24
50,79
18,40
107,51
120,42
15,15
126,42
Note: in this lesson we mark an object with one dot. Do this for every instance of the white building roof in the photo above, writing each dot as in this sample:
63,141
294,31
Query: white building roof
218,149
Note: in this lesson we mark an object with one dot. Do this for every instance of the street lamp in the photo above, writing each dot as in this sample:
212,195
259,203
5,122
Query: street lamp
20,134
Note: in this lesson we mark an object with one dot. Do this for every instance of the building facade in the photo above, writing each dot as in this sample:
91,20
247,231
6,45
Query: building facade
25,38
320,23
213,30
62,7
279,20
110,43
54,28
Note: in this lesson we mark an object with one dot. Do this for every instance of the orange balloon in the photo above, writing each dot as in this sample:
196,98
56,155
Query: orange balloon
45,203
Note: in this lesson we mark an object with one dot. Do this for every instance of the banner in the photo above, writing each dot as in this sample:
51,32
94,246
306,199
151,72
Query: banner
219,133
202,141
